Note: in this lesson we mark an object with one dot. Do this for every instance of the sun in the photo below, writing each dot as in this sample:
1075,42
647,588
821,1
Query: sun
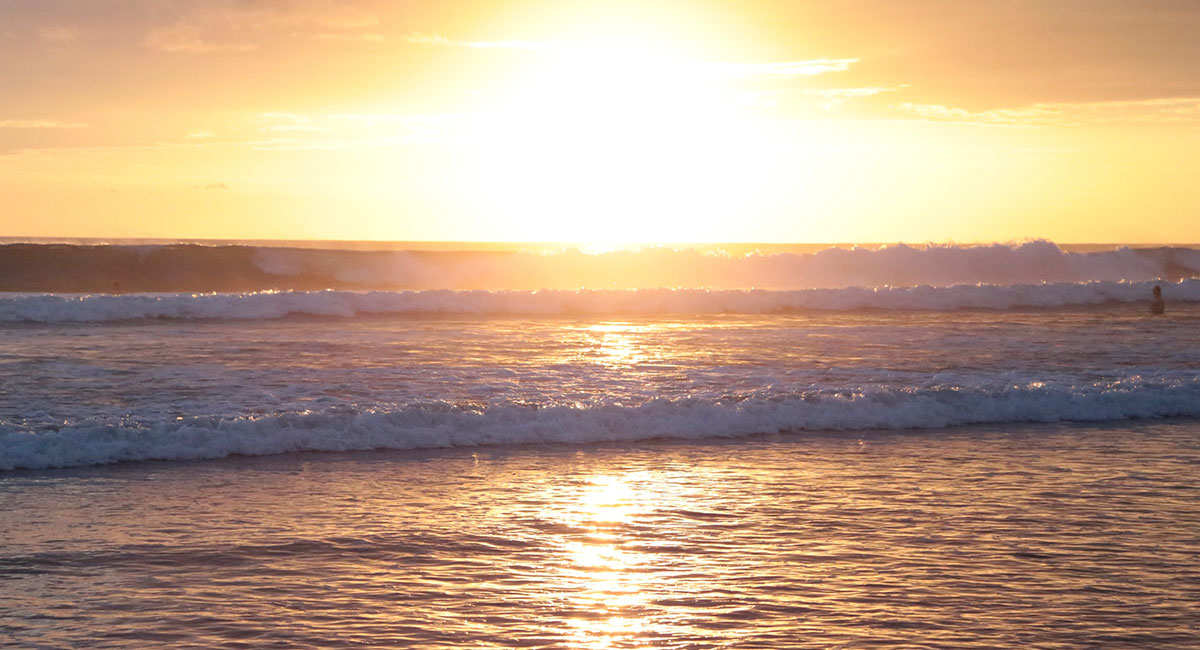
612,141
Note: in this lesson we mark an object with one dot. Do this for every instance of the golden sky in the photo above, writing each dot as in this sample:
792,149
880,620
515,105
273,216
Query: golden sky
603,121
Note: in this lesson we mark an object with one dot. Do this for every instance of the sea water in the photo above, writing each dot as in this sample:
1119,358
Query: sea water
1007,464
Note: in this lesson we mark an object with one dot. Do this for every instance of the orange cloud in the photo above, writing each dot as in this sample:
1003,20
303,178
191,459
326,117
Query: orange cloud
58,34
40,124
238,27
1158,110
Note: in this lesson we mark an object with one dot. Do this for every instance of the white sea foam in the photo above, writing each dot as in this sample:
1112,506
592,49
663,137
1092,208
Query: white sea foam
437,425
896,265
49,308
227,268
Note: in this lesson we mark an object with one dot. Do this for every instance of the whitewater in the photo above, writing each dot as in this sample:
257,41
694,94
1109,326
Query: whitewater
75,282
918,338
231,267
48,308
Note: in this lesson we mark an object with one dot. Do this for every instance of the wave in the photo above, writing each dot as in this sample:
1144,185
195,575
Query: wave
74,268
440,425
551,303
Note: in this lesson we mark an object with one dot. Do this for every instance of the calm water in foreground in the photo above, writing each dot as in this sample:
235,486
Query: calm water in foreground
1046,536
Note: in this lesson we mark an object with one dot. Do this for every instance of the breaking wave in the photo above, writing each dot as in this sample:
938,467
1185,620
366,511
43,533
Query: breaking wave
75,268
440,424
47,308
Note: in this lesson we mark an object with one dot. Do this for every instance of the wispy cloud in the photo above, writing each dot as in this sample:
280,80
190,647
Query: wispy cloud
281,116
58,34
852,93
292,128
365,37
788,68
808,67
1157,110
191,39
40,124
440,40
288,123
229,26
293,131
832,98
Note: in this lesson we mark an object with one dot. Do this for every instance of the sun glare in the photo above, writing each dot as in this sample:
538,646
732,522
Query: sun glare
613,142
601,574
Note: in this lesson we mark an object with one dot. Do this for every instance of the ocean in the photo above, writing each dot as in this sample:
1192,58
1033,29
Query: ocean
265,444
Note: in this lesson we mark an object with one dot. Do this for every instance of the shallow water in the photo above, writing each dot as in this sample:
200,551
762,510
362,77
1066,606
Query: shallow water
1047,536
770,476
79,394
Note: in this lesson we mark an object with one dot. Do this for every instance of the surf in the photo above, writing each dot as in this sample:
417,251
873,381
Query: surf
241,268
273,305
433,424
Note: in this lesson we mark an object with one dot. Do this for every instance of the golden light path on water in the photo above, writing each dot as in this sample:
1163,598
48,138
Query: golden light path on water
618,343
625,553
611,587
951,538
642,345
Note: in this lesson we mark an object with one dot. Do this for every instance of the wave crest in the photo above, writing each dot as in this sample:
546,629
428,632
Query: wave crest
67,268
550,303
438,425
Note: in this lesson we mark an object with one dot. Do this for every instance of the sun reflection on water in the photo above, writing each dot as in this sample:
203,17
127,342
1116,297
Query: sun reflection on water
606,581
658,344
619,344
608,499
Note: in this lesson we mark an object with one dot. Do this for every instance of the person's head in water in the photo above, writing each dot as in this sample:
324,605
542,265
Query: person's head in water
1157,291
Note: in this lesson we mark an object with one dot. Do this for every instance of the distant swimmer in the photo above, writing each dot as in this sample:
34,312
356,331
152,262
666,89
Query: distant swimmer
1157,306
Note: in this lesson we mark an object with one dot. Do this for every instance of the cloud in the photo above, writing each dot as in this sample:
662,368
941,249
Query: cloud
329,15
191,39
272,131
835,97
852,93
775,69
789,68
287,117
288,123
41,124
58,34
367,37
232,26
1172,110
292,128
419,38
344,131
211,186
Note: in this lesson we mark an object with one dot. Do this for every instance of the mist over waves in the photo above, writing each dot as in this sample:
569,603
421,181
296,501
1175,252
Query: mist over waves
78,268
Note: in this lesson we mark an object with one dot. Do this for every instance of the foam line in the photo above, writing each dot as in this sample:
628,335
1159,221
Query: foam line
439,424
174,268
348,304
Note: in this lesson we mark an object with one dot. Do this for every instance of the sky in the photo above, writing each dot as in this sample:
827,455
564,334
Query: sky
602,122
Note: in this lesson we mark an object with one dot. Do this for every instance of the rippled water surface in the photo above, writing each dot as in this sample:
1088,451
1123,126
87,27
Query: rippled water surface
1047,536
145,372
